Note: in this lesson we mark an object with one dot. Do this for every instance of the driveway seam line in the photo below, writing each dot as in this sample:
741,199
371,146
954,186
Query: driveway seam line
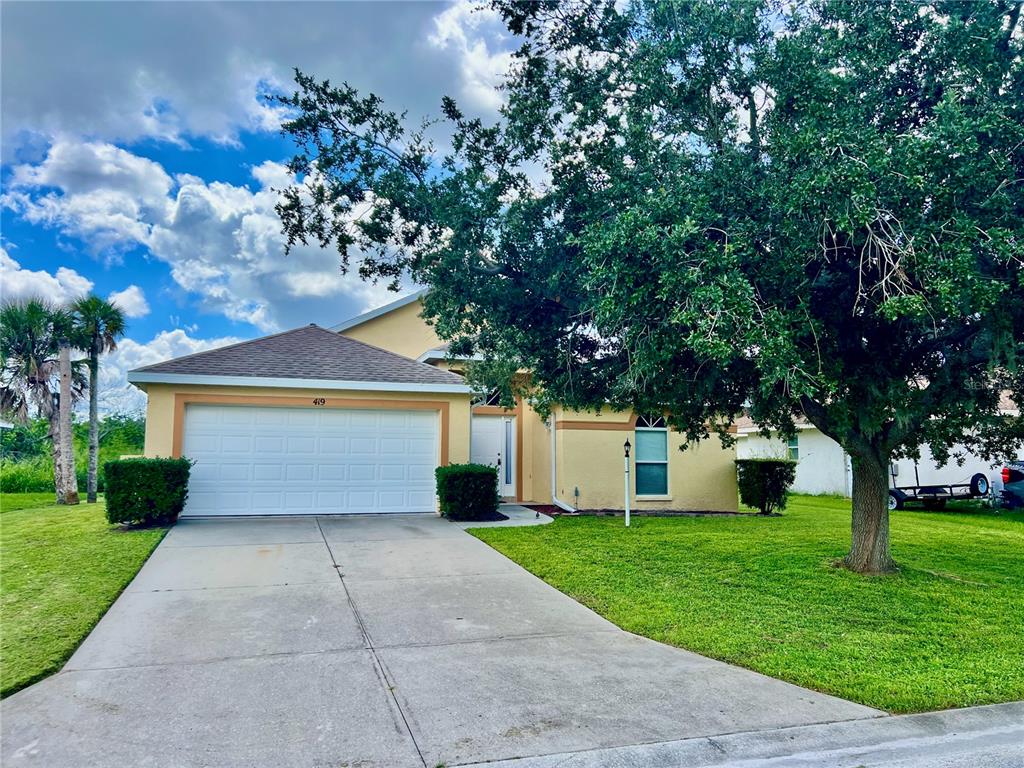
494,639
389,684
219,659
243,544
227,586
357,578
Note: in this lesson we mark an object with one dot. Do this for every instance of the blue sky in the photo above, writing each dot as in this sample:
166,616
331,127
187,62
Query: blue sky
138,155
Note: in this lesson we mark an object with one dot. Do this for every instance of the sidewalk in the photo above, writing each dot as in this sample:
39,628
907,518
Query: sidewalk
978,737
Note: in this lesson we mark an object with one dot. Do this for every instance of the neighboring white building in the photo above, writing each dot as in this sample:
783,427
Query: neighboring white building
824,467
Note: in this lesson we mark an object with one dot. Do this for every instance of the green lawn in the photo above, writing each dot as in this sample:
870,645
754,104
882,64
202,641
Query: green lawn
60,569
11,502
946,631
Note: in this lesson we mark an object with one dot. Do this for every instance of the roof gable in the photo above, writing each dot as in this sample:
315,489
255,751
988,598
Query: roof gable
352,322
302,354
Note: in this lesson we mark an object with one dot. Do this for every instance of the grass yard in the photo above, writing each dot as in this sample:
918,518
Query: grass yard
11,502
762,593
60,569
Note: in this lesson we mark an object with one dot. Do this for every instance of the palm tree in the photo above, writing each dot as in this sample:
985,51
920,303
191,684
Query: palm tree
100,324
30,333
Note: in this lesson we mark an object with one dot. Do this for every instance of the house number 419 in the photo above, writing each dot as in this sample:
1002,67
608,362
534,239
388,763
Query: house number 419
319,401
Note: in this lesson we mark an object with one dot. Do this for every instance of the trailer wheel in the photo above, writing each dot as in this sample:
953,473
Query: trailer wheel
895,502
979,485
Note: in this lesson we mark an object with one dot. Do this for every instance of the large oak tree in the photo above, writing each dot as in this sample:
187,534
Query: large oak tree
811,208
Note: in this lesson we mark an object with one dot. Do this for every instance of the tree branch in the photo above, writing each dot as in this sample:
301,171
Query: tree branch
852,441
755,135
1004,44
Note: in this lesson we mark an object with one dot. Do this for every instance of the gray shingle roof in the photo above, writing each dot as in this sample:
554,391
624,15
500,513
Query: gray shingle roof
310,352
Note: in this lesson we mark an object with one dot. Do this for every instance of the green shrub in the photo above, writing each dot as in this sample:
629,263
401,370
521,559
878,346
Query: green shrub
27,476
467,491
764,483
146,491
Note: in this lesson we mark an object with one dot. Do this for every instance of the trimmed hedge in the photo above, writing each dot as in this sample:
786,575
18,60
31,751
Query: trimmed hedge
146,491
764,483
467,491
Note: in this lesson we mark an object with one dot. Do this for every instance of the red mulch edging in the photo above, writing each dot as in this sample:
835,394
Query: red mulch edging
552,511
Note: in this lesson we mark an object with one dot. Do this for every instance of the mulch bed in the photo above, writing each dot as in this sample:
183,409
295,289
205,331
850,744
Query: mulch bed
490,518
552,511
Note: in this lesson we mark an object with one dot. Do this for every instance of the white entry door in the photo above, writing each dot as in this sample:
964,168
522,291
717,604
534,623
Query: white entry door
255,460
493,442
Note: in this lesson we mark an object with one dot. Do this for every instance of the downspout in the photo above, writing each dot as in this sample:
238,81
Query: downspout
554,471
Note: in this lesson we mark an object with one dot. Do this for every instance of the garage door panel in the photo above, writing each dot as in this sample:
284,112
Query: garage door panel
363,418
265,460
421,473
392,498
393,473
360,500
202,472
303,472
205,444
301,502
234,501
393,445
298,417
330,445
270,417
235,472
334,417
421,498
268,444
361,473
333,472
267,472
421,446
267,500
395,420
301,444
330,500
236,444
363,446
236,416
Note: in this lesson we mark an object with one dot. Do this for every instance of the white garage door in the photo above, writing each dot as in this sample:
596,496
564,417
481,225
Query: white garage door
299,461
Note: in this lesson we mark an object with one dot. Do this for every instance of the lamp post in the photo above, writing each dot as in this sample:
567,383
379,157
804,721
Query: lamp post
625,447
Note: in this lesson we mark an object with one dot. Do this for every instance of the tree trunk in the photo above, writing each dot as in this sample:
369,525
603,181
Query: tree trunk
94,424
58,464
869,546
68,492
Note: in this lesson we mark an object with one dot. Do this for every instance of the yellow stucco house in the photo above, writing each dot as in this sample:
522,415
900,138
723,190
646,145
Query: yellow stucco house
355,418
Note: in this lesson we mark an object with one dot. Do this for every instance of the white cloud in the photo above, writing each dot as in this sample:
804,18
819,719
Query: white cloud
18,283
131,300
97,191
476,35
116,394
129,71
222,242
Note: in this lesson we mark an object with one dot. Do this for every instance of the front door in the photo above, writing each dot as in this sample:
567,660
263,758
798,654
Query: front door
493,442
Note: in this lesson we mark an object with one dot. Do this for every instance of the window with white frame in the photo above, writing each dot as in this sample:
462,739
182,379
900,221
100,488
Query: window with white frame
651,460
794,448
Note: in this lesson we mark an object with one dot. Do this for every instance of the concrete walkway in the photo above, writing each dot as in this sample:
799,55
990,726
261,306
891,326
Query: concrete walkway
371,640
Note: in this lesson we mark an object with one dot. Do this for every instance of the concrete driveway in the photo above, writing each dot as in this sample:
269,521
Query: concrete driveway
373,640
